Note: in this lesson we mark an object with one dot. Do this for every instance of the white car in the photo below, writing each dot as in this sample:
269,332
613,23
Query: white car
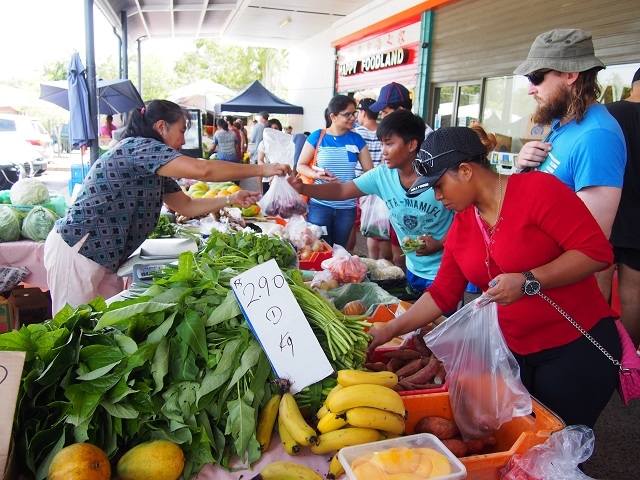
29,129
15,150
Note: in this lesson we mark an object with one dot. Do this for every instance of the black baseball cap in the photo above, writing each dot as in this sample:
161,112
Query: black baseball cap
441,150
365,103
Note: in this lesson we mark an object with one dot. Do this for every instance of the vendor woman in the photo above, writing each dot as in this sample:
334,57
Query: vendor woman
121,198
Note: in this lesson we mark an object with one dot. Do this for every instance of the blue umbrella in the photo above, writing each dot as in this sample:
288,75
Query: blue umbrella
81,128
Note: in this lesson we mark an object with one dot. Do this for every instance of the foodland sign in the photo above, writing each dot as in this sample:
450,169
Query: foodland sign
377,61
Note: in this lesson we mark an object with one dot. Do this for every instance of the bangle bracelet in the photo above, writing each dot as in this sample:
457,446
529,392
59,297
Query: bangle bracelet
228,200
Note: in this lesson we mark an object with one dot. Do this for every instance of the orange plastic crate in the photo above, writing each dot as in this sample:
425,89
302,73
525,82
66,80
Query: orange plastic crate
316,259
516,436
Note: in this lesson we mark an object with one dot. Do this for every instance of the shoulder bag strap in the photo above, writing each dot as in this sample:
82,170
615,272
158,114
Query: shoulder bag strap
315,154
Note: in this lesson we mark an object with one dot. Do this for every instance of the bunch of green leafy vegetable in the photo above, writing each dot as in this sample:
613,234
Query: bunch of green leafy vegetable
164,228
178,361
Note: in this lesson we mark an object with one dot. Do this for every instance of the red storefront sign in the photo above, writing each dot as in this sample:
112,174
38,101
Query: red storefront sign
374,61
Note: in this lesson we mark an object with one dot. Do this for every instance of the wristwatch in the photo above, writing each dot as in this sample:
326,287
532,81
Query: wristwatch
531,286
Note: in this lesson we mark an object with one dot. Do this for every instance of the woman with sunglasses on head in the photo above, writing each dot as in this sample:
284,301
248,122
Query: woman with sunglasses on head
520,237
120,200
338,151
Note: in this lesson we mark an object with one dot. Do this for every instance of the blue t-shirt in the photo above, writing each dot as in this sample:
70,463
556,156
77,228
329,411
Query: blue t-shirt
120,200
410,217
587,154
339,154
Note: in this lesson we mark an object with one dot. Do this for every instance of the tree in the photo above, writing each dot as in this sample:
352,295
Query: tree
232,65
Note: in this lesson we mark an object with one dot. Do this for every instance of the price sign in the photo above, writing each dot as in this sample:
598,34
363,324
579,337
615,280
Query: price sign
280,326
10,373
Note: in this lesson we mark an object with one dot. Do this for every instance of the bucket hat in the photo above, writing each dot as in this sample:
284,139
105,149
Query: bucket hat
563,50
441,150
390,93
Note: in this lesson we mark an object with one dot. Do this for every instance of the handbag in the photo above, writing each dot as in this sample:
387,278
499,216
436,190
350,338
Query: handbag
629,364
312,163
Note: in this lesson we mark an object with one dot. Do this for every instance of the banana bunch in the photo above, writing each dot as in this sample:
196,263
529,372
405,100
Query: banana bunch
362,408
286,471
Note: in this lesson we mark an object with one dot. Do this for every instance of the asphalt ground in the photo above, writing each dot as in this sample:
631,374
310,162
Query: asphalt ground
616,454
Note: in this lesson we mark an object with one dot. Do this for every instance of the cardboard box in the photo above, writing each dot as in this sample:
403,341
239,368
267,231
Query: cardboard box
535,131
31,305
504,143
516,436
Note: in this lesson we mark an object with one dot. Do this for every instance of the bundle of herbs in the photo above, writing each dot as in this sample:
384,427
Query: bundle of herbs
178,361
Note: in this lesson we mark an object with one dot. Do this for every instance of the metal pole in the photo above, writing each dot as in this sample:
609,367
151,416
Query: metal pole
125,44
139,41
91,77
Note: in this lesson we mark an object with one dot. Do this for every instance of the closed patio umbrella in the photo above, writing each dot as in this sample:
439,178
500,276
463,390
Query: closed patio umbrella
81,128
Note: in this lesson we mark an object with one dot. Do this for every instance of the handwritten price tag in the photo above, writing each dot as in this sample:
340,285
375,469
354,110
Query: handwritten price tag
280,326
11,364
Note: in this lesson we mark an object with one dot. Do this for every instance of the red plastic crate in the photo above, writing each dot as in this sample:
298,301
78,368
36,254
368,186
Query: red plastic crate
316,259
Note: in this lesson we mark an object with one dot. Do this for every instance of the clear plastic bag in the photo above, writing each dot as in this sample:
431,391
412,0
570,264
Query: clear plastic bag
485,389
278,146
556,459
281,200
345,267
374,218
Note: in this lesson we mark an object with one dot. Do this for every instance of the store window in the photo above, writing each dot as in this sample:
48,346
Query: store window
457,104
615,81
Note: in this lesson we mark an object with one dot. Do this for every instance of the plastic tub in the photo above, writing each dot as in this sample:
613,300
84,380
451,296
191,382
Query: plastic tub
516,436
314,262
455,470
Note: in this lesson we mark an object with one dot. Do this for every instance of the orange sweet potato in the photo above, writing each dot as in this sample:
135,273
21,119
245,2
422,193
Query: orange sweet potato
457,446
441,427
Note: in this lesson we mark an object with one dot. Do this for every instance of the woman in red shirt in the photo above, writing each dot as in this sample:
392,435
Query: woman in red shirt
513,236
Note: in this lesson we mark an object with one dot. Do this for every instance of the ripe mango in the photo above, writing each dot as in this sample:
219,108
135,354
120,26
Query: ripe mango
153,460
80,461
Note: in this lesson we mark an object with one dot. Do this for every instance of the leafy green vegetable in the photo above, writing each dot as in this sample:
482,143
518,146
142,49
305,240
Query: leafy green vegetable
165,228
178,362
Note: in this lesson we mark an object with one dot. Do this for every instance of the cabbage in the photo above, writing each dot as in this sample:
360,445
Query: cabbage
10,223
38,223
29,191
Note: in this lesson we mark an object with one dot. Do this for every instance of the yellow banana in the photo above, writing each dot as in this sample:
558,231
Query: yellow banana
333,391
345,437
335,467
294,422
331,422
322,412
368,417
288,442
266,422
346,378
375,396
286,471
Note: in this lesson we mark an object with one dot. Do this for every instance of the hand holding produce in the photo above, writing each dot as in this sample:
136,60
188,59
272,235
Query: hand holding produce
410,245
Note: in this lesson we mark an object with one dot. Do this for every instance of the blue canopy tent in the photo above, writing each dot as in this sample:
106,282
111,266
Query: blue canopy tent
256,98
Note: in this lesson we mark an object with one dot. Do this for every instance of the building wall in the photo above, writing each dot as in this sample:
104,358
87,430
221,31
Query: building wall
481,38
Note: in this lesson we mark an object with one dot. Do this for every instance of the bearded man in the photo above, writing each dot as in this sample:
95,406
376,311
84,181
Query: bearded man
585,147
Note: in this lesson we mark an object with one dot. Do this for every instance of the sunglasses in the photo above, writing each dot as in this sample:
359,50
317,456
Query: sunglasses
349,115
422,166
536,78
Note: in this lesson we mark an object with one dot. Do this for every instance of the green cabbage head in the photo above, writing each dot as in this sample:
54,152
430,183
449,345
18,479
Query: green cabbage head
38,223
10,223
29,191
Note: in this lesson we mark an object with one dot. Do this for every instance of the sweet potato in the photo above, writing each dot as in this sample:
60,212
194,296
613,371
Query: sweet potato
376,366
410,368
394,364
441,427
477,446
440,375
403,353
425,386
420,346
426,373
457,446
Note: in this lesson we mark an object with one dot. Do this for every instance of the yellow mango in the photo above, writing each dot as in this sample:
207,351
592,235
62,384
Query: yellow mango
80,461
154,460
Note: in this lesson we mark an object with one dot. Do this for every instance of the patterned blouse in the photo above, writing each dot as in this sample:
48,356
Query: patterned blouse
120,200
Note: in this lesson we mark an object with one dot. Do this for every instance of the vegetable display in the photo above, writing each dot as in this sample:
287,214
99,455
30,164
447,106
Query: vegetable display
10,223
38,223
28,191
176,362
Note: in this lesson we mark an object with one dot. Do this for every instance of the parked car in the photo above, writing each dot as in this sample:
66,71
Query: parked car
9,174
17,151
29,129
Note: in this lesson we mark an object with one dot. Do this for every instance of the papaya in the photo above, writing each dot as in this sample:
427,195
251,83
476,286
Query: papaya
80,461
153,460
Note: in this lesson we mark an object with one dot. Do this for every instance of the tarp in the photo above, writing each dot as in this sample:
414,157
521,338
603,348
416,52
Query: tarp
256,98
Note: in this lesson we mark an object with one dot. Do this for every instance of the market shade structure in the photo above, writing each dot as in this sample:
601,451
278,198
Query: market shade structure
256,98
114,95
203,94
81,130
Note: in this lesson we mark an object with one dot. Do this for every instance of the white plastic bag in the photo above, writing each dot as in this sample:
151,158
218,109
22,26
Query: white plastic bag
374,218
278,146
556,459
281,200
485,389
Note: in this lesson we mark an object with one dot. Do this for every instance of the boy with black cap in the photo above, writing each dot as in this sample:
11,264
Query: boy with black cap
421,217
585,147
625,233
